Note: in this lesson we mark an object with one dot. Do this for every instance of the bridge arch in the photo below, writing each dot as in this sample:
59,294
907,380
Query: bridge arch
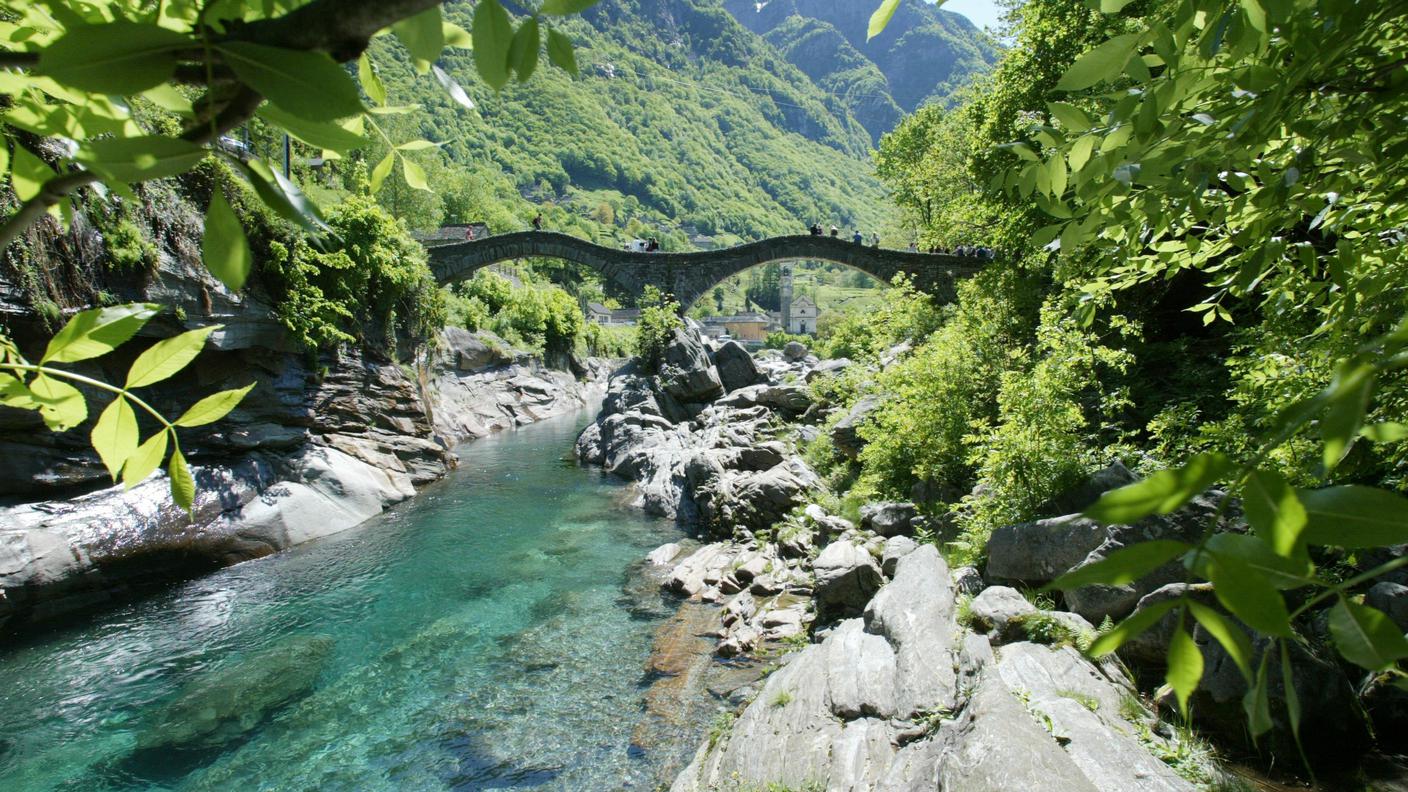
689,276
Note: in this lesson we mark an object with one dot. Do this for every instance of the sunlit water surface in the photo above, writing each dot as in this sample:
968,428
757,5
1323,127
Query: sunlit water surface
480,636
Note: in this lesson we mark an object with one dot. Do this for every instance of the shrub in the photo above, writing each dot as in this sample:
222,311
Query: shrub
371,284
659,316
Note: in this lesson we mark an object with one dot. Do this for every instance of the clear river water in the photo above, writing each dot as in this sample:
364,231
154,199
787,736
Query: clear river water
482,636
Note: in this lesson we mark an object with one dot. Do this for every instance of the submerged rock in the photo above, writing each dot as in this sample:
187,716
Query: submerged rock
228,703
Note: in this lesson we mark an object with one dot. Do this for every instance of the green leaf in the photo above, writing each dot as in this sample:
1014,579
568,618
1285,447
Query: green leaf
1256,703
1354,516
415,175
493,34
1125,565
1249,595
168,356
1160,493
1289,688
1185,667
1274,511
1386,432
382,170
423,35
1072,118
60,404
213,407
115,58
1339,427
320,134
371,83
417,145
224,246
1137,623
1099,64
565,7
523,50
114,436
307,84
1281,571
456,36
454,89
13,393
144,460
97,331
1366,636
183,486
28,173
136,159
281,195
1232,637
1113,6
881,18
560,52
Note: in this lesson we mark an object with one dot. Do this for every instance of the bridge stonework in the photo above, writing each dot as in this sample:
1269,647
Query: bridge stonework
689,276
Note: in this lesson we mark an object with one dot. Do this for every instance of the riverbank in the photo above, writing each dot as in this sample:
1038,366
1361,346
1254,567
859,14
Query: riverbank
874,665
308,455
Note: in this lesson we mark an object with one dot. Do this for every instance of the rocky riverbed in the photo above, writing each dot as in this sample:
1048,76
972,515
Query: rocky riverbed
860,660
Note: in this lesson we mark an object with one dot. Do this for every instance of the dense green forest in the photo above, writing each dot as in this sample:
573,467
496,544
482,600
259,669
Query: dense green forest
683,125
923,56
1202,210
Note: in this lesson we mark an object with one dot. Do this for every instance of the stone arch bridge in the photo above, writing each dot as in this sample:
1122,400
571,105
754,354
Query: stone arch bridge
689,276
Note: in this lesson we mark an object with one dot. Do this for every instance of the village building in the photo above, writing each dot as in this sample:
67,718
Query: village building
744,327
802,316
598,313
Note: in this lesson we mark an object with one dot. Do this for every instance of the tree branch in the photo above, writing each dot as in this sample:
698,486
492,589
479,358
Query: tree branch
341,28
22,60
235,112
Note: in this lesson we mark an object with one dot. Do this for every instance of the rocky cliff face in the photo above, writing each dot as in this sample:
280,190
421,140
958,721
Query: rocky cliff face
924,55
318,446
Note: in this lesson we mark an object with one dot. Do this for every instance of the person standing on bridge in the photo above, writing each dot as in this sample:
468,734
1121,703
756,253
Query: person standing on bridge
835,232
538,222
858,237
875,240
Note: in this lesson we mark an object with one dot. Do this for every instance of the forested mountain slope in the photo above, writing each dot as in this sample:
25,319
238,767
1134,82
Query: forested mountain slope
682,123
925,53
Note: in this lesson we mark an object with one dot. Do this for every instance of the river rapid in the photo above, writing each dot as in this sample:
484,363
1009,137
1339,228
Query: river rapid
488,634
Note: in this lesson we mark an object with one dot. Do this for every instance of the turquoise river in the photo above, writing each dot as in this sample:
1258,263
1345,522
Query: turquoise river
489,634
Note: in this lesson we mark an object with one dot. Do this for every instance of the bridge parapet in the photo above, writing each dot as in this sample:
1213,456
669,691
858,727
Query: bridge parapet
689,276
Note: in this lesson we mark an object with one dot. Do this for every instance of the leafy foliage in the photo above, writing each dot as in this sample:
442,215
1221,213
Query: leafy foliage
50,391
659,318
1205,161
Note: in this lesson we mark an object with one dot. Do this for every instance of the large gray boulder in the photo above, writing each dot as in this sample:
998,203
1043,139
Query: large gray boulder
686,372
1392,599
847,576
889,518
736,367
465,351
1038,552
794,351
226,704
916,613
845,434
828,368
999,610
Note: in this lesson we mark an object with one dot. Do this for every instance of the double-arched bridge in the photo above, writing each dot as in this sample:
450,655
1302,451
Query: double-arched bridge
689,276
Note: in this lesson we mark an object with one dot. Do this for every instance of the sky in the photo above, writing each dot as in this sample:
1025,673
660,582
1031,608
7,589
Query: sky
983,13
